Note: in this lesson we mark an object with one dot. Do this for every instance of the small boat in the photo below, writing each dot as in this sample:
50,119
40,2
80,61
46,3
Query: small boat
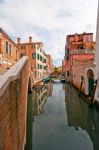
45,80
62,79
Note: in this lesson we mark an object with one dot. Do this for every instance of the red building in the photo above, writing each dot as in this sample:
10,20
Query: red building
80,41
79,48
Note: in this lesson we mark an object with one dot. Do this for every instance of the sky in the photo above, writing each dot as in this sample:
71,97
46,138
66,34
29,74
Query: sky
48,21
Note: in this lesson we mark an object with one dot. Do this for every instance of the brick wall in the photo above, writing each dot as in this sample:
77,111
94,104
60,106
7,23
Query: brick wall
13,104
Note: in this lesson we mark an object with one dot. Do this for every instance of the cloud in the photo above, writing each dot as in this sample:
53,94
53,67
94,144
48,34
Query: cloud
48,21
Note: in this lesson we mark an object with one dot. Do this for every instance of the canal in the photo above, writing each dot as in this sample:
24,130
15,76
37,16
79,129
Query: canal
57,119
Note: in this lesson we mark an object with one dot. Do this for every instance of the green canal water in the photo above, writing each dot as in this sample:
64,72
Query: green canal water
57,119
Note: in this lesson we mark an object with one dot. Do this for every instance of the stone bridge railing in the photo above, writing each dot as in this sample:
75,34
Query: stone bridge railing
13,106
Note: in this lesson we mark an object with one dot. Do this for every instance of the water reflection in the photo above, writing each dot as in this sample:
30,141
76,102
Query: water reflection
30,118
35,106
65,122
40,97
79,115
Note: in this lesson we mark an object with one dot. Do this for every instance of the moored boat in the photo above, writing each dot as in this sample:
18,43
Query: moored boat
62,79
45,80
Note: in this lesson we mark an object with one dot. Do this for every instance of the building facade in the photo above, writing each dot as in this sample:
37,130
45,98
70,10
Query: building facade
8,50
79,58
37,57
80,41
50,65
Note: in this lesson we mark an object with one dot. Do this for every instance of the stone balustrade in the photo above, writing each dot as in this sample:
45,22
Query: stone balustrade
83,51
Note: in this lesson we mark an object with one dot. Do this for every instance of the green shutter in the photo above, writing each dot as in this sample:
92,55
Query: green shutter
38,66
38,56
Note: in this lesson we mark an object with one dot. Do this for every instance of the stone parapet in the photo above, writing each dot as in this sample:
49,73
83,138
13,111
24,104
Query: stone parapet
13,106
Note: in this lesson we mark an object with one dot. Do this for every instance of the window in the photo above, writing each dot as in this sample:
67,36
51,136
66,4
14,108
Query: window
44,60
22,47
67,54
38,56
87,38
44,67
6,46
68,73
38,48
40,66
41,58
33,55
23,54
33,46
10,49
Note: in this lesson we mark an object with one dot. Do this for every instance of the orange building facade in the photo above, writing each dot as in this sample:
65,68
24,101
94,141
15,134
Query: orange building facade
37,57
8,50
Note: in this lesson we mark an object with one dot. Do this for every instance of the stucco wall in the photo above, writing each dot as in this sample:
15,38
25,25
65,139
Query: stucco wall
79,69
13,105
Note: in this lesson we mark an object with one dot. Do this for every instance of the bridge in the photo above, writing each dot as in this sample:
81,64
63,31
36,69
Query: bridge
13,105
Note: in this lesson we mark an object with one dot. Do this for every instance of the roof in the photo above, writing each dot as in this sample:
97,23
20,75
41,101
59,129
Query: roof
84,33
32,43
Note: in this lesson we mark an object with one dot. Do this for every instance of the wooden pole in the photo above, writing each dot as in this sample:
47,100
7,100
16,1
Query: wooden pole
93,94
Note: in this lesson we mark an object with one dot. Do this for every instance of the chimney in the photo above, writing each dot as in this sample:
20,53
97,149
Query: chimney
18,40
30,39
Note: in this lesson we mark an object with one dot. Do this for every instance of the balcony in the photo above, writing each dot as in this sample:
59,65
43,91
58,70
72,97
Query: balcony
83,51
